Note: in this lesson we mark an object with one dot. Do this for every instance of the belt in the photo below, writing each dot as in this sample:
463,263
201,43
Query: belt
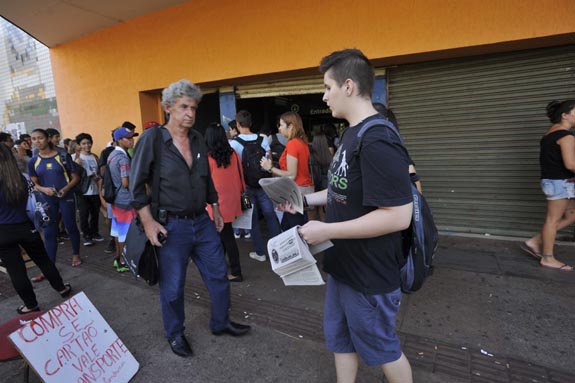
193,215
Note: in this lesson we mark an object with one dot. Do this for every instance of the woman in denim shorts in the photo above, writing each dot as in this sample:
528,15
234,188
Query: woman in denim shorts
557,160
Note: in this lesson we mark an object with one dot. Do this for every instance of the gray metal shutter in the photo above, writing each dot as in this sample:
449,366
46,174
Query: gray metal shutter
303,85
287,87
472,127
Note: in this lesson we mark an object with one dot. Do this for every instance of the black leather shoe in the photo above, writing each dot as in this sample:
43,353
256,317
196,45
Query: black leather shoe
233,329
181,347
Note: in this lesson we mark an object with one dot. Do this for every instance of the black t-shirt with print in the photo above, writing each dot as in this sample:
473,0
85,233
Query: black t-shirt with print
358,185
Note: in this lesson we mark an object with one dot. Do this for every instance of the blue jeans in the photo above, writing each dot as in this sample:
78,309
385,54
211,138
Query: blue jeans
196,238
260,201
67,207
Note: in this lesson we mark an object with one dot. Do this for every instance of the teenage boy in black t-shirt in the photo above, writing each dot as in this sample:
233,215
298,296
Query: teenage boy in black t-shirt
368,203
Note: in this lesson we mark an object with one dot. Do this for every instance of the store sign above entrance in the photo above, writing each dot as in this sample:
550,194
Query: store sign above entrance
316,111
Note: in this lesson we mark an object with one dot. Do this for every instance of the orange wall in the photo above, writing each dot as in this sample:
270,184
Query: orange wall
98,78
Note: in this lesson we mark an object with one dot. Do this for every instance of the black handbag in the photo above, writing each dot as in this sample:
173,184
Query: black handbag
149,269
244,198
139,254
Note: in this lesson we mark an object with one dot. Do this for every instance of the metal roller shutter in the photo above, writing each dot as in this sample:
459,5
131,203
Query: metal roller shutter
304,85
287,87
473,126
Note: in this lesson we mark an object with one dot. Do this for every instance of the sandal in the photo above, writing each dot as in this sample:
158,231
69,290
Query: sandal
38,278
67,291
564,267
529,250
76,262
25,310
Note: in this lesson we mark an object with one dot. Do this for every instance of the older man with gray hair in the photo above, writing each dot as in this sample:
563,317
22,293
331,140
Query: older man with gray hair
180,225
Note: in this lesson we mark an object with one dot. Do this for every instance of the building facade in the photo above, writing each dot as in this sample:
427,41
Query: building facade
468,81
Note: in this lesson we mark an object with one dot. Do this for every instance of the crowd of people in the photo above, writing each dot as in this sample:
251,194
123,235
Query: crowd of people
203,181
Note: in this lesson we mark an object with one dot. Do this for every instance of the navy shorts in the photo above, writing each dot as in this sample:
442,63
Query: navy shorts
360,323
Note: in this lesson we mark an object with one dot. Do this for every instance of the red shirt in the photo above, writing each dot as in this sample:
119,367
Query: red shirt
298,149
229,183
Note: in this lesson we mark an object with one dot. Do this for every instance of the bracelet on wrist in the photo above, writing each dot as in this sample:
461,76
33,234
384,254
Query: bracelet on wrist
271,170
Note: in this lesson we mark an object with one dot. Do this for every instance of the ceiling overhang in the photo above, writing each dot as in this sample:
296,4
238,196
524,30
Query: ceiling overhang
55,22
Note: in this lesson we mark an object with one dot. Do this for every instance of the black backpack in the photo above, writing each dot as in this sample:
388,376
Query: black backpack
109,190
251,157
421,237
84,184
277,149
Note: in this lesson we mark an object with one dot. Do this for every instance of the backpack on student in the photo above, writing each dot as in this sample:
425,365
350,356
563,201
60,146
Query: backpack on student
251,157
277,149
421,237
109,190
65,159
85,181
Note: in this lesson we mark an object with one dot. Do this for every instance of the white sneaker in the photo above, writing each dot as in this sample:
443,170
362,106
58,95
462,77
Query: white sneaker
247,235
254,255
237,236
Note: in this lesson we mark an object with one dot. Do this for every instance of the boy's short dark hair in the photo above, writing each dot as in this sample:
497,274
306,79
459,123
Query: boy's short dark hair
84,136
350,64
129,125
24,136
51,132
244,119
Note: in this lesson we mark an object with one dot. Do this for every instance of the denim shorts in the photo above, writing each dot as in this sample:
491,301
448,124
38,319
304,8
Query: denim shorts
558,189
360,323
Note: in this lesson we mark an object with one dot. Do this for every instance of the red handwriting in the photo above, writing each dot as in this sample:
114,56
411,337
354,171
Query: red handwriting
79,348
115,373
109,358
50,321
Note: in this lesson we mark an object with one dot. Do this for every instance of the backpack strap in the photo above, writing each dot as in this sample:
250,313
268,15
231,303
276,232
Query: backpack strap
276,140
240,140
63,161
371,124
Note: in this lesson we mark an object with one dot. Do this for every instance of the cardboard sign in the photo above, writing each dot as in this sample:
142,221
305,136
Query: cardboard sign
73,343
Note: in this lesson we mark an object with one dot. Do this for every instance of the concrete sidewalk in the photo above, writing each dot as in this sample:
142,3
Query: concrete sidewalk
488,314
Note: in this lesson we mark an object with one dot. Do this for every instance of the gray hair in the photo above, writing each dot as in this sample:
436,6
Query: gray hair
182,88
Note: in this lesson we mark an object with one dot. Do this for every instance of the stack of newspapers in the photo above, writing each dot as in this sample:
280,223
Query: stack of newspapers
292,259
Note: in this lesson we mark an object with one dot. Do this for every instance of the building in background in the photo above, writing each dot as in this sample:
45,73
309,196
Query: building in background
27,95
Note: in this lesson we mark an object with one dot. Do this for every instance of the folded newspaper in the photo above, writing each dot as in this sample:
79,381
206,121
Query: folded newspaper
292,259
281,189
